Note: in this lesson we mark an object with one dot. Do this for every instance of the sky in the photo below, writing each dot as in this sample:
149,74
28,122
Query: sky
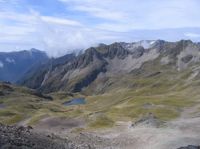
62,26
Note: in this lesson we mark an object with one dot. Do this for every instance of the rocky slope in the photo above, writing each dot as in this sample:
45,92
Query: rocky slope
139,95
13,65
190,147
12,137
99,69
35,76
19,137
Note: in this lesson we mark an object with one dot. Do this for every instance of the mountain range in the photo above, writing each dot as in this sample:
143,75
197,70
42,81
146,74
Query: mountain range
130,92
13,65
119,65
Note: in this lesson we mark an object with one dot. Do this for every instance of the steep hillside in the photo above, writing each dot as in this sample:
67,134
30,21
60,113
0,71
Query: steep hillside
135,94
125,81
35,76
18,103
13,65
121,66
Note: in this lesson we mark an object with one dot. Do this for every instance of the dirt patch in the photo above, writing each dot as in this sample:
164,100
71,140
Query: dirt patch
59,124
145,134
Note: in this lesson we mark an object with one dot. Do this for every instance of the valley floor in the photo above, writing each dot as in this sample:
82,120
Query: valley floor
174,134
123,120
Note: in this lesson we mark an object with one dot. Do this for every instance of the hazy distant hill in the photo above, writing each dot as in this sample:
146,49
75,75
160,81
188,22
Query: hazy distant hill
14,64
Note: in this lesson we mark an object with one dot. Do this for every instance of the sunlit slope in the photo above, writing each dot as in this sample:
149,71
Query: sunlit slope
119,83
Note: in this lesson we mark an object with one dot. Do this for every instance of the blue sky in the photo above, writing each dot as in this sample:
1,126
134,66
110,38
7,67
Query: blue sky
61,26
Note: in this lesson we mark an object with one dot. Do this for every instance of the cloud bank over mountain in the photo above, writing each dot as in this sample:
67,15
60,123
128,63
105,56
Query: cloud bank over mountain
62,26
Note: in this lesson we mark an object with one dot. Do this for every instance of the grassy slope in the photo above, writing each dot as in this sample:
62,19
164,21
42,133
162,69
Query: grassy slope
128,98
167,94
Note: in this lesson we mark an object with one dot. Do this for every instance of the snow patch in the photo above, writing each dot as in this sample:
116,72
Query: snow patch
10,60
146,44
152,42
1,64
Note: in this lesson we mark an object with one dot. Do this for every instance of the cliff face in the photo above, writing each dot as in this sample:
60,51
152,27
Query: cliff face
100,68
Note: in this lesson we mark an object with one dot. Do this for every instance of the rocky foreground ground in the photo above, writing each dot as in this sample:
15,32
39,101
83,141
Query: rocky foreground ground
12,137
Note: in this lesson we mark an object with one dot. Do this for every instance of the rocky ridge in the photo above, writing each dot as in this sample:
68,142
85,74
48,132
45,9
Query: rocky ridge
107,62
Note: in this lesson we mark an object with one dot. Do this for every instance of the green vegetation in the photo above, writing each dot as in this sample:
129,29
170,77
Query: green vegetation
6,113
13,119
127,106
101,121
35,118
126,97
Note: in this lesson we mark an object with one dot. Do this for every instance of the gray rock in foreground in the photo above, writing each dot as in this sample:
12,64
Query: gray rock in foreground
190,147
12,137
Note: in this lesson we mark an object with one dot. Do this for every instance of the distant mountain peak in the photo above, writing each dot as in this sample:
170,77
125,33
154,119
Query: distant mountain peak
97,66
35,50
13,65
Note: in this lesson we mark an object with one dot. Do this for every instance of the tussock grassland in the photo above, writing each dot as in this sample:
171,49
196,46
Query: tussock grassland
163,95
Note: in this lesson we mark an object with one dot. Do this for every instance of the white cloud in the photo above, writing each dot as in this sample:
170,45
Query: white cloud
60,21
192,35
137,14
51,19
10,60
104,9
101,12
55,35
84,23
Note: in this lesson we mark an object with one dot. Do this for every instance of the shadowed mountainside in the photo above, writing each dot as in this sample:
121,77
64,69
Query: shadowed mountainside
119,65
13,65
126,86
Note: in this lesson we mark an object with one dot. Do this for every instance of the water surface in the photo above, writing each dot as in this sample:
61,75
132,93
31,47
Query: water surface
75,101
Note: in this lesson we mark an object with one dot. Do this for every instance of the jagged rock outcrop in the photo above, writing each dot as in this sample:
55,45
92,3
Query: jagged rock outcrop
148,120
100,67
190,147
